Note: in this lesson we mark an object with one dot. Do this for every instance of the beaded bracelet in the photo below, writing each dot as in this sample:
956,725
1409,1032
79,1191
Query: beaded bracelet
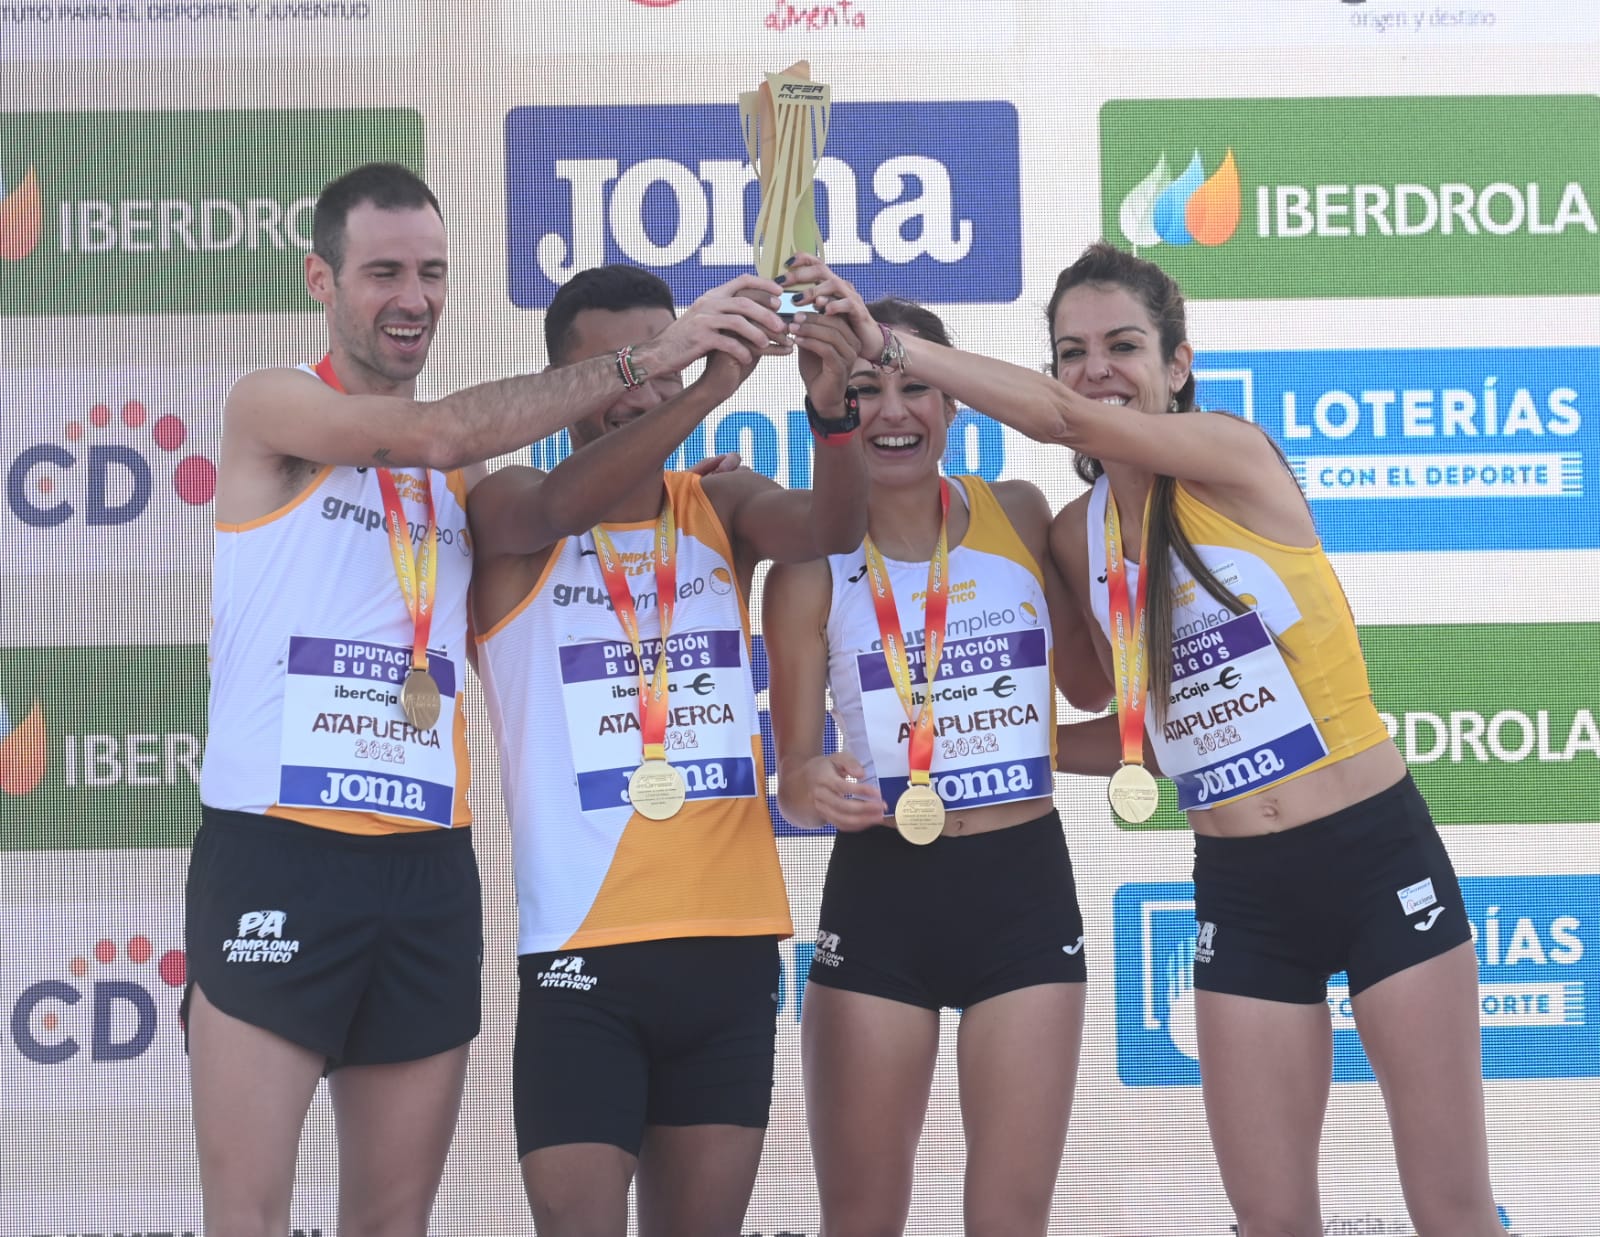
626,371
893,356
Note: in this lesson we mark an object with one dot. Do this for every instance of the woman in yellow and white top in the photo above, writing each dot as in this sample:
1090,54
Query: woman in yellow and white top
949,884
1314,852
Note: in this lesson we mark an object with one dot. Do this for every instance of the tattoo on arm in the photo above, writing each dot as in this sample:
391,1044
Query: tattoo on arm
509,413
380,457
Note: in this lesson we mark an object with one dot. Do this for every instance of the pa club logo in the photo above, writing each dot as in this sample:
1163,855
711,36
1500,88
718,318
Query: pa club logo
21,217
105,467
1192,208
22,749
107,1008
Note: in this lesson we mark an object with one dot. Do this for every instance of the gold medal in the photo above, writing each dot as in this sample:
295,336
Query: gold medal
419,698
1133,793
919,815
656,790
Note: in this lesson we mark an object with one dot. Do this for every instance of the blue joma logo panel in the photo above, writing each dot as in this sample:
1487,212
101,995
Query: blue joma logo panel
916,199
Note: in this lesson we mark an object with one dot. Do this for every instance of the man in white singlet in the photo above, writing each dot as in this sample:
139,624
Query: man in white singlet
333,921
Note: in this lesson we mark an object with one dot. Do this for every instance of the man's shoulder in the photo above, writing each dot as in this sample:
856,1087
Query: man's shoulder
727,491
266,392
485,484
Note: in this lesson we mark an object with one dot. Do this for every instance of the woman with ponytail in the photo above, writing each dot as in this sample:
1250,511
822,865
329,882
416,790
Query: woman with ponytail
1233,650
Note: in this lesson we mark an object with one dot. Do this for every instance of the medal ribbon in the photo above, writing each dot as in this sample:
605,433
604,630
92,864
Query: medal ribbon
417,571
652,698
894,644
1127,631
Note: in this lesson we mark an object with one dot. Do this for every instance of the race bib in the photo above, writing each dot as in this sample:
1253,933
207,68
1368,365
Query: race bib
1235,720
346,744
710,718
989,725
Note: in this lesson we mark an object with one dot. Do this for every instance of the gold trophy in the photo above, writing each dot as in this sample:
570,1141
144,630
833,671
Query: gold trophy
785,123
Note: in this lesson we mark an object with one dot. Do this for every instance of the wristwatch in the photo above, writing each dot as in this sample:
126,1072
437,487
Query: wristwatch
836,427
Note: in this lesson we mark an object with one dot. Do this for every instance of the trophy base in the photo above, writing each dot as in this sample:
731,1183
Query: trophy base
789,306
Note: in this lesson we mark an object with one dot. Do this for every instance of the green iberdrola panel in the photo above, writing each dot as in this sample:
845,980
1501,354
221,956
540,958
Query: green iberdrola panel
101,747
175,212
1375,197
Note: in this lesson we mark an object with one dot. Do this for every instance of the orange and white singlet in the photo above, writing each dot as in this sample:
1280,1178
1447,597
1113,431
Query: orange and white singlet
1244,714
310,641
562,685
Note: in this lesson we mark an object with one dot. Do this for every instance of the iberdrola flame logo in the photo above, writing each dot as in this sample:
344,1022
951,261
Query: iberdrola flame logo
21,751
1190,208
21,218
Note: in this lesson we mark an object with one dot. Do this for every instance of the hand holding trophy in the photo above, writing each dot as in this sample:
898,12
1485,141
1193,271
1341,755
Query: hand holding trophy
785,123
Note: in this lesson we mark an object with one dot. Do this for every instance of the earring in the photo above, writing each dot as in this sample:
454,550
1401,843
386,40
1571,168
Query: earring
1172,404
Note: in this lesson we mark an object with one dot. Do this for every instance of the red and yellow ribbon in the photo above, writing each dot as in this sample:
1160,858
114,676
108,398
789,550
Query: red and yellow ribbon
894,645
1127,631
416,570
652,697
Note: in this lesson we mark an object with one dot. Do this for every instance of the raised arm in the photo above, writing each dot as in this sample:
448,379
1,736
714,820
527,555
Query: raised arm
1207,448
813,789
521,510
288,413
792,526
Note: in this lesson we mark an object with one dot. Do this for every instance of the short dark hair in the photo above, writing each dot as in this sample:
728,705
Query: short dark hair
388,186
614,288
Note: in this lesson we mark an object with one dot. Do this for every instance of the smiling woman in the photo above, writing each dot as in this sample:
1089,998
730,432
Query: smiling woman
1314,851
892,629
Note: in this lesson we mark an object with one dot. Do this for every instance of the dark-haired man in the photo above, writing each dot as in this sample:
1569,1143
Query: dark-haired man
615,656
333,918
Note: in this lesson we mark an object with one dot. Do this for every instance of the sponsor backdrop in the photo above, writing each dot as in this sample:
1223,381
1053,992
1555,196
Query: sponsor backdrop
1384,212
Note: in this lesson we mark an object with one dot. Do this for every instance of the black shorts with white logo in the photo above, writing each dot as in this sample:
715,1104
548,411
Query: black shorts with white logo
951,923
615,1038
366,949
1368,890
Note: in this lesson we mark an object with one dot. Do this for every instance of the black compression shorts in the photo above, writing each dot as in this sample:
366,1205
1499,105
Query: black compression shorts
615,1038
951,923
1368,890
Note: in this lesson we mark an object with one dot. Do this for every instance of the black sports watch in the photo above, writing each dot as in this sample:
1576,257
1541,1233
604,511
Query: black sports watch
836,427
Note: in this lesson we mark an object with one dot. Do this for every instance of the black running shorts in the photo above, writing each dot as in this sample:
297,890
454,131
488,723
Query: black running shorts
615,1038
366,949
1368,890
951,923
